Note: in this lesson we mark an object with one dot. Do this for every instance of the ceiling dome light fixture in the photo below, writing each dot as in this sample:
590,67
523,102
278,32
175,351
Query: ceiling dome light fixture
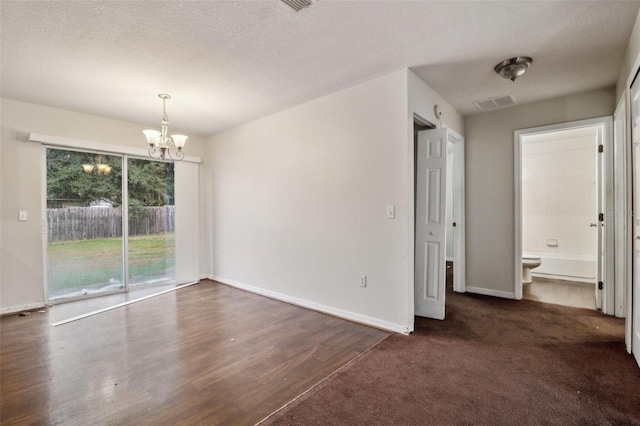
514,67
160,143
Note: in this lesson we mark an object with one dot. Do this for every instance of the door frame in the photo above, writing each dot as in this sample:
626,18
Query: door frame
622,200
606,124
458,184
459,255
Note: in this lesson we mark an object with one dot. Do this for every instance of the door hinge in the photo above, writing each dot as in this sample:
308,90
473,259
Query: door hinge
600,148
600,285
454,224
601,217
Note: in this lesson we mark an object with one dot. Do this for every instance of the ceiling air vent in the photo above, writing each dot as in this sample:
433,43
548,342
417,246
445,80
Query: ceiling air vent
495,103
298,5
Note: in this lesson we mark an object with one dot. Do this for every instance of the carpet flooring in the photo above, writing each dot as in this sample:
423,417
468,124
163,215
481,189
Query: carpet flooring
492,362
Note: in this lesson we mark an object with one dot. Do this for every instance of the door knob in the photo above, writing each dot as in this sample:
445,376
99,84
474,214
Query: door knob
593,225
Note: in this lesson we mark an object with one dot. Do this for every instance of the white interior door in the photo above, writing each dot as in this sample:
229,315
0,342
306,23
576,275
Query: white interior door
430,230
635,137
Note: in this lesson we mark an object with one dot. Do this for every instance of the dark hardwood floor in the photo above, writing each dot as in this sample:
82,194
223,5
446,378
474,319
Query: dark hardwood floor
205,354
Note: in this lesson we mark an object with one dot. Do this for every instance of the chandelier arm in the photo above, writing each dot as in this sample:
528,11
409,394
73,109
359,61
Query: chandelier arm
155,153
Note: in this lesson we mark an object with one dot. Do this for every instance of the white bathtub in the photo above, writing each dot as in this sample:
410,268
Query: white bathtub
569,267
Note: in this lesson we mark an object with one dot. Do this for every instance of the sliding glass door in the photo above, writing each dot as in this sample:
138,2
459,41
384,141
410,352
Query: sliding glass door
84,217
151,244
87,251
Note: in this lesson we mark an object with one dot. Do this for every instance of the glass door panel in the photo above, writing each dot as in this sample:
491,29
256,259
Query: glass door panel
151,242
84,218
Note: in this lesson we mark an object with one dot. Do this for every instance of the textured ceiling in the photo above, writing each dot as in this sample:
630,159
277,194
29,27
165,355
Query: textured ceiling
229,62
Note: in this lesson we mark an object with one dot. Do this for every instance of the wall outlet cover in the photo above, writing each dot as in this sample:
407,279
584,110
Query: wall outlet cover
363,281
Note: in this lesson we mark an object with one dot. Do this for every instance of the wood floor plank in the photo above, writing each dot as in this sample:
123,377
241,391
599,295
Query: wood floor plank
208,353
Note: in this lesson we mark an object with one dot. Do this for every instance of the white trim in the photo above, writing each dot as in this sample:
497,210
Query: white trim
86,145
124,181
621,207
129,302
340,313
45,224
490,292
20,308
606,124
459,194
449,259
517,186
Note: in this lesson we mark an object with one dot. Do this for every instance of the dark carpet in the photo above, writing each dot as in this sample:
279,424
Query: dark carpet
491,362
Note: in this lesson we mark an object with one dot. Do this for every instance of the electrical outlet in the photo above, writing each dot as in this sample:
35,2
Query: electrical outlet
363,280
391,212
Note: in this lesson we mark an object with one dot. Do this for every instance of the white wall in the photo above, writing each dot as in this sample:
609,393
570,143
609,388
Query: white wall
559,196
298,202
21,179
490,180
422,100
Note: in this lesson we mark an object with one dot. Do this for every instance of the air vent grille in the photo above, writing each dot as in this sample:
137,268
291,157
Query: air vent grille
298,5
495,103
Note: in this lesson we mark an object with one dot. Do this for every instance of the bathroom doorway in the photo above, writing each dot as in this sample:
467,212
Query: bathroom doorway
564,225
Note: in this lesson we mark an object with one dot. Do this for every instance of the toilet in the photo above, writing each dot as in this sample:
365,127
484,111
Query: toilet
529,262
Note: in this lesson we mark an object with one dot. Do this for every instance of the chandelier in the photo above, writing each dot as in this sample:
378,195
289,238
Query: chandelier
160,143
99,167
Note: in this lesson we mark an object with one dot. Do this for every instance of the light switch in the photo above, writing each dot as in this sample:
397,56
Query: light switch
391,212
22,217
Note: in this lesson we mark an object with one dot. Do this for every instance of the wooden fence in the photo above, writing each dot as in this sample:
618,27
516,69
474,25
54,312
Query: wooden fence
83,223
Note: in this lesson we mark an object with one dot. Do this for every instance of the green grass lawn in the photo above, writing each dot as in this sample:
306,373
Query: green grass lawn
98,262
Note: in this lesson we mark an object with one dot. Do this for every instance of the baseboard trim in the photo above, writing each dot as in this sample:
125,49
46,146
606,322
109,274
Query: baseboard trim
489,292
20,308
340,313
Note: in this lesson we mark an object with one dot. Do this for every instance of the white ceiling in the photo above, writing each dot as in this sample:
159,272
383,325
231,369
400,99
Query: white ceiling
229,62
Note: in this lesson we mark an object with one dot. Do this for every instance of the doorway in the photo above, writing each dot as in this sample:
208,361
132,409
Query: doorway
564,179
439,220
